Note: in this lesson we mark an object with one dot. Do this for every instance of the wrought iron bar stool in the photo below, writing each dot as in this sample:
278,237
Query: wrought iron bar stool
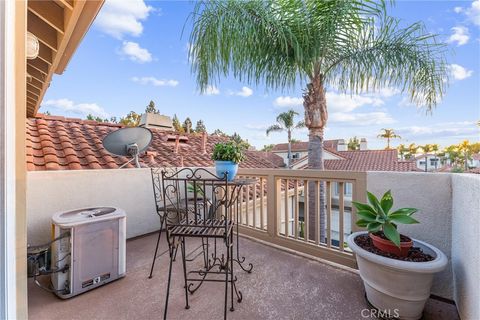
195,204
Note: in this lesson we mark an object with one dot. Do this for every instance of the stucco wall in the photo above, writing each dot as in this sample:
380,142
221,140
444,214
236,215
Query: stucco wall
465,251
51,191
431,194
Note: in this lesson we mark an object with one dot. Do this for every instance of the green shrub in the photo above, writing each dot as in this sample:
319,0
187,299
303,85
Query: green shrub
228,151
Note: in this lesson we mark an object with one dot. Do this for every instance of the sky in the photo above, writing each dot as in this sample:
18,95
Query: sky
137,51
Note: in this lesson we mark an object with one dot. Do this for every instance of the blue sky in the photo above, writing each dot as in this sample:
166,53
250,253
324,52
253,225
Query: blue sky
135,52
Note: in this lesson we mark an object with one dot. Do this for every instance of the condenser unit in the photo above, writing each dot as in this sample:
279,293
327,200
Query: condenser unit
94,253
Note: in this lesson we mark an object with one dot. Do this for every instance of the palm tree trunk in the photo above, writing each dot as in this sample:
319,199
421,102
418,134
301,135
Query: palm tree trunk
388,143
316,115
289,149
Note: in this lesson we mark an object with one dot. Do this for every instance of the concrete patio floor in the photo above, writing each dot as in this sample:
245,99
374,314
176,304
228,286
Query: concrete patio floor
281,286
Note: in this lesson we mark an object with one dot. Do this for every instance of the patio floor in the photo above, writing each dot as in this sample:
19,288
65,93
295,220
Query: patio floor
281,286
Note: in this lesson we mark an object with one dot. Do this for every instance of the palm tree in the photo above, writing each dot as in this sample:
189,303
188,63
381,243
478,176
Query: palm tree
388,134
353,46
402,150
464,147
435,148
285,122
412,150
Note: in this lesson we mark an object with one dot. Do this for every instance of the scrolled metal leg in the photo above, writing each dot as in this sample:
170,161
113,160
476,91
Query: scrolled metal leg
182,244
168,283
156,250
231,274
226,283
241,260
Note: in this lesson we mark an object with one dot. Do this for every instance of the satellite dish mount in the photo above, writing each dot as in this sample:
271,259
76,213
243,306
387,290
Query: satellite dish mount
128,142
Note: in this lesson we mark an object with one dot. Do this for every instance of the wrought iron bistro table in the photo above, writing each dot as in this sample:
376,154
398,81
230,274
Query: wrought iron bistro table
235,189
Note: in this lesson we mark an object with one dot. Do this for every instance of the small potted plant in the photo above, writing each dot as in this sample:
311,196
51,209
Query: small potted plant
397,271
227,156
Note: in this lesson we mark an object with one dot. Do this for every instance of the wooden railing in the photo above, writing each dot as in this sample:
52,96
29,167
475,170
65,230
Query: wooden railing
284,208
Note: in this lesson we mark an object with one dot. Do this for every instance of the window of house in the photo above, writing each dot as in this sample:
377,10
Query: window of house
422,162
433,162
347,189
296,155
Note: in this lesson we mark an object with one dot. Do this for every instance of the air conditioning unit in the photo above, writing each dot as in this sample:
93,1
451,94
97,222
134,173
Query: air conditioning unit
94,251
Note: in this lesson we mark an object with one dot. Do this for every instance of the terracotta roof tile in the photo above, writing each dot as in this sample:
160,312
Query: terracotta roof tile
58,143
369,160
272,157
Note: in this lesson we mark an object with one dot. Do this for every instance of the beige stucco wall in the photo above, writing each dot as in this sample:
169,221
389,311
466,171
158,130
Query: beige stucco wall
432,194
51,191
465,251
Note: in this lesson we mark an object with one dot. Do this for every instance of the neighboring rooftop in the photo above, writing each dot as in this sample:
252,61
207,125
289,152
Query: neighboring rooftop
272,157
59,143
364,160
303,146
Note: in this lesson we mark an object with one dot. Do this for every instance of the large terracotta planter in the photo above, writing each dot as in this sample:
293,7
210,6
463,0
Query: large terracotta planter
395,286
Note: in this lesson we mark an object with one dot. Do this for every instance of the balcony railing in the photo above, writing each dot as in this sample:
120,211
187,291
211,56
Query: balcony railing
283,208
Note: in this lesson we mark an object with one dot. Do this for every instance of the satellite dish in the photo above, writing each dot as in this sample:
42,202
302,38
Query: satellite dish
128,142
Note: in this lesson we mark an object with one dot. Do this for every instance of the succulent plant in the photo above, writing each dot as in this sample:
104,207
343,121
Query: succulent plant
376,216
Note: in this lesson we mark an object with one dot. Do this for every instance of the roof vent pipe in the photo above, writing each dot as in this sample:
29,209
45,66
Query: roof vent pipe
363,144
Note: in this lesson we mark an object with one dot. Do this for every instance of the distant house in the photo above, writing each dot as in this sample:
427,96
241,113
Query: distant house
300,149
59,143
337,157
428,162
474,161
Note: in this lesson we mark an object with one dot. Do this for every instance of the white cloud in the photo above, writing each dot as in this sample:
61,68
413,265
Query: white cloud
458,72
345,103
118,18
386,92
244,92
339,102
82,109
287,101
361,119
155,82
405,102
259,127
211,91
460,36
135,52
446,129
472,12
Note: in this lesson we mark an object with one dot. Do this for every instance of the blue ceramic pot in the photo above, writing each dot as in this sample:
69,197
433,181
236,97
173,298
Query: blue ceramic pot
229,167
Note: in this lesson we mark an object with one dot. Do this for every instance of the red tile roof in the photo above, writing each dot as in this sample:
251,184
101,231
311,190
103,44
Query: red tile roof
58,143
272,157
369,160
474,170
